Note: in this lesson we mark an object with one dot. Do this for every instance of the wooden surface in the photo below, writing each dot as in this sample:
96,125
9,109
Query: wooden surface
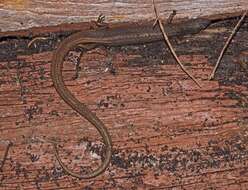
23,14
167,133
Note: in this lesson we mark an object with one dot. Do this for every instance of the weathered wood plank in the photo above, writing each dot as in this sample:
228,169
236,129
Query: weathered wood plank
23,14
167,133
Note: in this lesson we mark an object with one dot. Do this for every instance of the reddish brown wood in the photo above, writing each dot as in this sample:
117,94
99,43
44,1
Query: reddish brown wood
167,133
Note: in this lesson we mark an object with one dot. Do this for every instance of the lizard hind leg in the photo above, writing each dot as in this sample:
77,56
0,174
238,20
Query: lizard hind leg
81,48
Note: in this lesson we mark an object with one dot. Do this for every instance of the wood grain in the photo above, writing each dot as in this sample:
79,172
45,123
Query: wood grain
167,133
23,14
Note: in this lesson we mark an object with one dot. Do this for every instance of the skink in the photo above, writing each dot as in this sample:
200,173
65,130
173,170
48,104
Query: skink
138,34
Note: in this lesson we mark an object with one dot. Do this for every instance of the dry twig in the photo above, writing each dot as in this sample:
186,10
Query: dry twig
227,44
35,39
5,155
170,46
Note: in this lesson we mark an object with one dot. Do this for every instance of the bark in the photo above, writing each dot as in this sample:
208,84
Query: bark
24,14
167,133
